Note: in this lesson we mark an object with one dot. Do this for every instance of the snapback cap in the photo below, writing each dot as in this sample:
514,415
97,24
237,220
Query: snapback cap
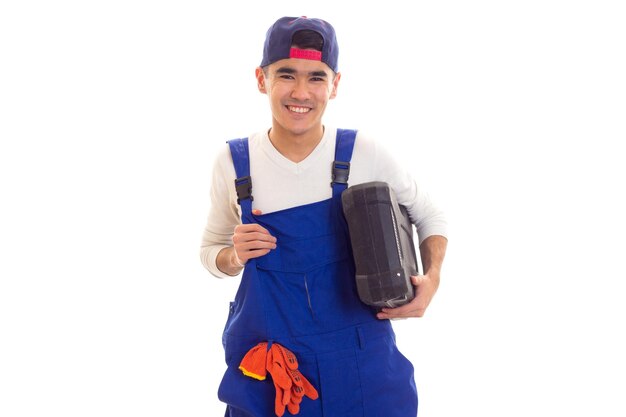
279,35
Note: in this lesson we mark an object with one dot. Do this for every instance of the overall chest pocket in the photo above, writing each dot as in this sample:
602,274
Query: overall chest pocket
308,282
318,300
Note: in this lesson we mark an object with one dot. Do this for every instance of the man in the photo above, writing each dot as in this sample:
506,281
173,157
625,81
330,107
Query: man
274,215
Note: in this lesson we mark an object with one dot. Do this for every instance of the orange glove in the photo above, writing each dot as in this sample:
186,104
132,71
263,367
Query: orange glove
300,387
282,382
291,386
285,367
253,364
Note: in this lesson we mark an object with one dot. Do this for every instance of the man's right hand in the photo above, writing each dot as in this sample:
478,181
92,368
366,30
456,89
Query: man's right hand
251,241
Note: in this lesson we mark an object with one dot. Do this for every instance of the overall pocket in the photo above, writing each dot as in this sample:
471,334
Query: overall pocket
387,380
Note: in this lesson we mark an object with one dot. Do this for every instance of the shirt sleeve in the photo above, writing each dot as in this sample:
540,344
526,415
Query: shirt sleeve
224,213
428,218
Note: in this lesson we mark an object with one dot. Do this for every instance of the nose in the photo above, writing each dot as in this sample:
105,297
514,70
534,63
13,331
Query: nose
300,90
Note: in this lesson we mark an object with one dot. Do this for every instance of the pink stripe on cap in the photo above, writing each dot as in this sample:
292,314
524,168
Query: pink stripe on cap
311,54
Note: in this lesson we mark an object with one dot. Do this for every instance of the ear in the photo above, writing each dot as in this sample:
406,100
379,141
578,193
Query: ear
333,93
260,80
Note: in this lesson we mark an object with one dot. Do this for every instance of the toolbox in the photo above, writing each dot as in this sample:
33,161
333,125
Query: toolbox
381,235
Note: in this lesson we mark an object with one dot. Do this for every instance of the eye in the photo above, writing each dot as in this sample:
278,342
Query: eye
286,76
318,79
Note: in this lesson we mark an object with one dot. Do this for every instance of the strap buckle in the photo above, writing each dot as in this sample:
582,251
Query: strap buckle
243,186
341,172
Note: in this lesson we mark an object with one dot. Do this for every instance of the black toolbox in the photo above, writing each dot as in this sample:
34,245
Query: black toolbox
381,234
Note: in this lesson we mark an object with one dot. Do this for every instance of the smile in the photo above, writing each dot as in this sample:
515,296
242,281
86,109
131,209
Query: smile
296,109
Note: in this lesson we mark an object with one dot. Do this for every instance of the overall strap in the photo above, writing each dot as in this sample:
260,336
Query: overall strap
243,183
341,164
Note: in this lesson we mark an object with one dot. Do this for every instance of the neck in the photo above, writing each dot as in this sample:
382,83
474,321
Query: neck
293,146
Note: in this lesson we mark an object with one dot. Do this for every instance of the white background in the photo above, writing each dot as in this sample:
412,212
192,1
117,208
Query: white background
512,113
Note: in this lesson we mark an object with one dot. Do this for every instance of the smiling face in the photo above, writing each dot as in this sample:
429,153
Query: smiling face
298,90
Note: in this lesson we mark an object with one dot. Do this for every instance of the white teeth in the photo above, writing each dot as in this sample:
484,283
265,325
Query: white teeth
299,109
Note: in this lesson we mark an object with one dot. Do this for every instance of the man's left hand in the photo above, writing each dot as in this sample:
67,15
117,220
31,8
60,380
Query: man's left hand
425,289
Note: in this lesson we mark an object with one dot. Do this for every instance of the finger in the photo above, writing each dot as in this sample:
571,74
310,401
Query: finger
407,310
256,212
293,408
286,396
309,389
417,280
404,309
414,308
255,245
279,407
296,396
251,227
253,236
288,356
296,377
256,253
390,316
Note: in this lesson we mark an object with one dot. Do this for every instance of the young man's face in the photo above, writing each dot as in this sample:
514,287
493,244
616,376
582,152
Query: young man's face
299,90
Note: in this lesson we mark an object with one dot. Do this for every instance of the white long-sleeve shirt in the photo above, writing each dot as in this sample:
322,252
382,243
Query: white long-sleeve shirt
278,183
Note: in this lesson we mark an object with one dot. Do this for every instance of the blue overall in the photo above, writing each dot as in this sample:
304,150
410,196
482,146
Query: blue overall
303,295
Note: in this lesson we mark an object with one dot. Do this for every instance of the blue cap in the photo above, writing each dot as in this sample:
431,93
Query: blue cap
279,35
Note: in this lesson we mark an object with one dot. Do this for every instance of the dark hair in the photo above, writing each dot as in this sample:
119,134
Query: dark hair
307,39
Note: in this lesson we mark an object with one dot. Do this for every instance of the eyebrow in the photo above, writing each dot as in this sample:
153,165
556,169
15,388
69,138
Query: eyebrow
289,70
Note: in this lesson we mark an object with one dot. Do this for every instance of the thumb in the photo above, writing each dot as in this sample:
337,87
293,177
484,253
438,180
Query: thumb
418,279
256,212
